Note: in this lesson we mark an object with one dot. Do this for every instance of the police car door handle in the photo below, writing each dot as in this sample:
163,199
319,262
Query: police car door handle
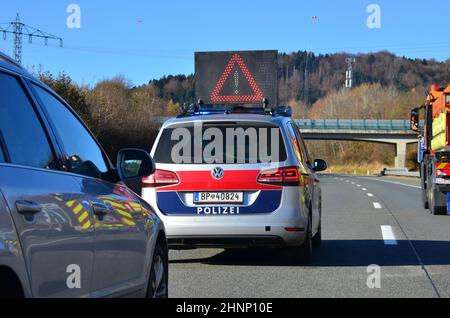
100,209
28,207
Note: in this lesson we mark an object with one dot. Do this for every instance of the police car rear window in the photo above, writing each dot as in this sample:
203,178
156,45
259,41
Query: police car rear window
221,143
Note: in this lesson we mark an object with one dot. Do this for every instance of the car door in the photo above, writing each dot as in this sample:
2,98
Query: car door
53,223
120,224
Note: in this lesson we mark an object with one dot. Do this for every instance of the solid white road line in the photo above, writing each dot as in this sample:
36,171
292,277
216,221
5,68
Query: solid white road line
377,205
388,235
398,183
370,194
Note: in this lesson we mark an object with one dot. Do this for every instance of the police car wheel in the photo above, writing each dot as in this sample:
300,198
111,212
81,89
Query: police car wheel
317,239
306,249
157,287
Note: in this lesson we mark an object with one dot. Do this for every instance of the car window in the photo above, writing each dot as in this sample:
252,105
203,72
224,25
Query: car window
303,148
295,143
84,156
23,134
260,142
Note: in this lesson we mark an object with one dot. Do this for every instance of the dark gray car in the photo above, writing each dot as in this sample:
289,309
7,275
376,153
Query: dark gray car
69,226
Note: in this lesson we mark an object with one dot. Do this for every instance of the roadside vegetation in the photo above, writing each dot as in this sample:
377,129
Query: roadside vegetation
385,87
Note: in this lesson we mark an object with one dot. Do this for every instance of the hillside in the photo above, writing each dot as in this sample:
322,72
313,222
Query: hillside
326,73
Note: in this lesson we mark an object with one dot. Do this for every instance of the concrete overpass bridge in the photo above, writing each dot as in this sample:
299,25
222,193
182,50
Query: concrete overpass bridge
396,132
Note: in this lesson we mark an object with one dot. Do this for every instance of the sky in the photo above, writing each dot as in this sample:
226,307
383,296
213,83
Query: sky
147,39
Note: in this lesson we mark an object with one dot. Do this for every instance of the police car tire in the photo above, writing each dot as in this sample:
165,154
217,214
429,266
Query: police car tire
306,249
317,239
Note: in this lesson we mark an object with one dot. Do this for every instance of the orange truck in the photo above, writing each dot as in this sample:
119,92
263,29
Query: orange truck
432,122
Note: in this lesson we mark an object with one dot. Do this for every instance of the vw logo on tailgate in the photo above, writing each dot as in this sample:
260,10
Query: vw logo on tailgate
217,173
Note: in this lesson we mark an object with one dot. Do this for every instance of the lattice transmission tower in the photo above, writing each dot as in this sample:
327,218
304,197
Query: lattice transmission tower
19,30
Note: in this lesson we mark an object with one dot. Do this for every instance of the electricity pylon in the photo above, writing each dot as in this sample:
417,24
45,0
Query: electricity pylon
18,30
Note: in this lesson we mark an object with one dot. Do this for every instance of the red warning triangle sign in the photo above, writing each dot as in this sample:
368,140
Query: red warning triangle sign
257,95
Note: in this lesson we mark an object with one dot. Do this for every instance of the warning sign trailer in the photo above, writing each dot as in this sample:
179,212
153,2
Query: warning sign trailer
237,77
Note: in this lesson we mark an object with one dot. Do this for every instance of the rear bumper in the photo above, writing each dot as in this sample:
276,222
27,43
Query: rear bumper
239,230
231,231
225,241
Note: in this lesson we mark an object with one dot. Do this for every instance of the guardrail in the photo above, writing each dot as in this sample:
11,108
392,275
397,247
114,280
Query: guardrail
400,173
354,124
345,124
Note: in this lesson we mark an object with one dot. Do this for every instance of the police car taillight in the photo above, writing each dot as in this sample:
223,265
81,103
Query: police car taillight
160,178
286,176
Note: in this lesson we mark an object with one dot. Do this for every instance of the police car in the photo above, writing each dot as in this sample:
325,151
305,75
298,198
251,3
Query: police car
236,177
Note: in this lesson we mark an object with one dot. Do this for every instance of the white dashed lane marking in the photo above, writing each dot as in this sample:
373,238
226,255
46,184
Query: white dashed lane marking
388,235
370,194
377,205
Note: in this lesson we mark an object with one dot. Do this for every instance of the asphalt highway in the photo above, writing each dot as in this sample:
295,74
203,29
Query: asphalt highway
365,221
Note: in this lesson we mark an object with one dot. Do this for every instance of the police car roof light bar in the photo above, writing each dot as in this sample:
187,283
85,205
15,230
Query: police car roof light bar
201,109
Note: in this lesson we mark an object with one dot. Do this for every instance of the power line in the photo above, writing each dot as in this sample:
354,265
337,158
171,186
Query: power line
390,46
18,30
129,51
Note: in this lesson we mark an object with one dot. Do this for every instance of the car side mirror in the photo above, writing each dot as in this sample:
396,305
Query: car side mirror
414,123
320,165
134,163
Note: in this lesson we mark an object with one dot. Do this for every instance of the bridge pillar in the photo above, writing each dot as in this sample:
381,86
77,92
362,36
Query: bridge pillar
400,157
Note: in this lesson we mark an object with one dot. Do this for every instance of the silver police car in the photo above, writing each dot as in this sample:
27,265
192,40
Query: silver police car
242,178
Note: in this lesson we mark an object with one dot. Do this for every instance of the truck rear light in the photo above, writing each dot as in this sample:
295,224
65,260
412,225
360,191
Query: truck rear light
286,176
160,178
442,169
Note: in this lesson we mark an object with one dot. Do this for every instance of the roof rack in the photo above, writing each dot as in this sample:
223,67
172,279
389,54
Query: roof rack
200,109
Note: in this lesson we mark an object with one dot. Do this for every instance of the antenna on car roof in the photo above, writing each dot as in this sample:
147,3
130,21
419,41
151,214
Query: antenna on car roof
285,111
183,110
265,103
199,105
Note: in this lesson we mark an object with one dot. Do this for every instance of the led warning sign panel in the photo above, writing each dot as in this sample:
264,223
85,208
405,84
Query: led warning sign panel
236,77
